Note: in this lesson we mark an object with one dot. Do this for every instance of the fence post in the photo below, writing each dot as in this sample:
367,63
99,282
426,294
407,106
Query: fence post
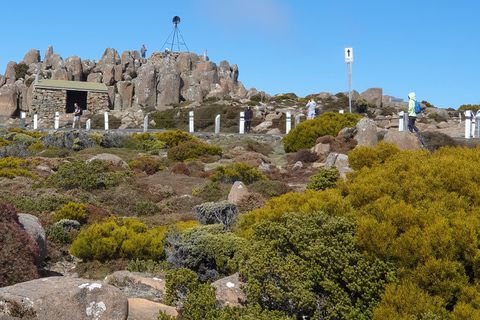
340,111
106,120
242,123
217,124
190,122
57,119
401,122
289,122
23,115
145,123
468,124
297,120
35,122
87,125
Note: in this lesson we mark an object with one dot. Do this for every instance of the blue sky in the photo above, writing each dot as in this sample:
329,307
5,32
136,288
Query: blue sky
280,46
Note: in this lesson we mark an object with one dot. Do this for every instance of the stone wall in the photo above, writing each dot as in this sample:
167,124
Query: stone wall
97,102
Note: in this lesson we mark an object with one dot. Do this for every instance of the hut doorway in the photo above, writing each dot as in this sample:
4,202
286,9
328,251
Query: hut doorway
73,97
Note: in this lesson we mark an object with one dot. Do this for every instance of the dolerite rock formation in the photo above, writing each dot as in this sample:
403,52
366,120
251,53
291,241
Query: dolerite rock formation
131,81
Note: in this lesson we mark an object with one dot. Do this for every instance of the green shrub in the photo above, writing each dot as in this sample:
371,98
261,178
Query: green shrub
21,138
119,238
177,284
147,266
68,225
427,104
192,150
224,212
21,70
252,103
362,106
239,171
57,234
146,208
130,142
37,146
175,138
270,188
364,156
72,211
17,250
4,143
11,167
146,164
472,107
256,97
149,142
46,204
435,140
79,174
33,134
306,133
326,178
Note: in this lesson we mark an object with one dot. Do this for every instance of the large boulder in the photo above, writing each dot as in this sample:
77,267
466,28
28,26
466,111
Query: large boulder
111,159
109,57
32,225
47,58
168,86
340,161
141,309
74,68
8,100
68,140
366,133
145,86
405,140
229,291
10,73
125,92
373,96
58,298
32,56
237,192
108,74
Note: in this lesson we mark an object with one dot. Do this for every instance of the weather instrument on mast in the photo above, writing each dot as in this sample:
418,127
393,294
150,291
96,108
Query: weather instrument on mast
175,35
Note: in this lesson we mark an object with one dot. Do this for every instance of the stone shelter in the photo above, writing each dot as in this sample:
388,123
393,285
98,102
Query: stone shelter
50,96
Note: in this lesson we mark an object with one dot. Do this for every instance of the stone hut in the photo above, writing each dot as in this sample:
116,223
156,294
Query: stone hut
50,96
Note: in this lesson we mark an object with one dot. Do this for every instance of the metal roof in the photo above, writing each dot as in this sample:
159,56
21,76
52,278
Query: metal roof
71,85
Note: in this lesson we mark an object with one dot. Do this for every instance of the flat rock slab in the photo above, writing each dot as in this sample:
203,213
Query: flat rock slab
59,298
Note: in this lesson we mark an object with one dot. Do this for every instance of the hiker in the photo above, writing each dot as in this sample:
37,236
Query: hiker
248,119
412,115
143,51
166,52
76,116
311,105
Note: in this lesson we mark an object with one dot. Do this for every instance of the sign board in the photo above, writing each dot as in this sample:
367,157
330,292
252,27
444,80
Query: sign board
348,54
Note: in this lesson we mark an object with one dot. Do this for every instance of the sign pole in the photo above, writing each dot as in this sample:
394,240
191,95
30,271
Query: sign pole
349,60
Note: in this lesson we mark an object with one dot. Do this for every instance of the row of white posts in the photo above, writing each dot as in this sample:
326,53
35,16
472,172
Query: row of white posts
145,122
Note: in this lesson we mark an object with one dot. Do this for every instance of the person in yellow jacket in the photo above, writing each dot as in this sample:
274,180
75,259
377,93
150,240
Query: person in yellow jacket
412,115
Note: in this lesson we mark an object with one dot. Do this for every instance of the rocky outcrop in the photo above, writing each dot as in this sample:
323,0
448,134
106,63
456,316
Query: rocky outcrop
228,291
373,96
237,192
111,159
405,140
366,133
58,298
8,100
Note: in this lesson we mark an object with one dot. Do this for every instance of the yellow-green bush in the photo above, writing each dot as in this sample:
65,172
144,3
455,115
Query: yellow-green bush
150,141
119,238
11,167
33,134
238,171
363,156
175,138
37,146
192,150
72,211
146,164
306,133
4,143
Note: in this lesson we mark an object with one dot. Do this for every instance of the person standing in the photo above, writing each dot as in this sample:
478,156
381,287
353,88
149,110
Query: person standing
311,105
412,115
248,119
76,116
166,52
143,51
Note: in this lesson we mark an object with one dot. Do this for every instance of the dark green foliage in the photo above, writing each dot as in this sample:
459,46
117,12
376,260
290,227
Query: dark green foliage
435,140
122,238
224,212
427,104
305,156
130,142
252,103
340,103
362,106
17,249
46,204
256,97
306,133
270,188
178,282
149,142
85,176
238,171
326,178
207,250
21,70
308,265
57,234
146,208
147,266
192,150
211,192
472,107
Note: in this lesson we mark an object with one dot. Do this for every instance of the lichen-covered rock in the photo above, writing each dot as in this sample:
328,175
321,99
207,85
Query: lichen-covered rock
32,225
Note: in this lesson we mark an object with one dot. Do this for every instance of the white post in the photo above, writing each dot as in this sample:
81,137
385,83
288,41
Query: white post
297,120
106,120
242,123
473,127
401,123
468,123
57,120
35,122
190,122
23,116
460,116
340,111
289,122
87,125
217,124
145,123
204,55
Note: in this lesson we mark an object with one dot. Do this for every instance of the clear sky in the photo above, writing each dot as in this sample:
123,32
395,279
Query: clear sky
280,46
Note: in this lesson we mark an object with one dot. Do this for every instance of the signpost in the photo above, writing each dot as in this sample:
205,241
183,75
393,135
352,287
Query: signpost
349,60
